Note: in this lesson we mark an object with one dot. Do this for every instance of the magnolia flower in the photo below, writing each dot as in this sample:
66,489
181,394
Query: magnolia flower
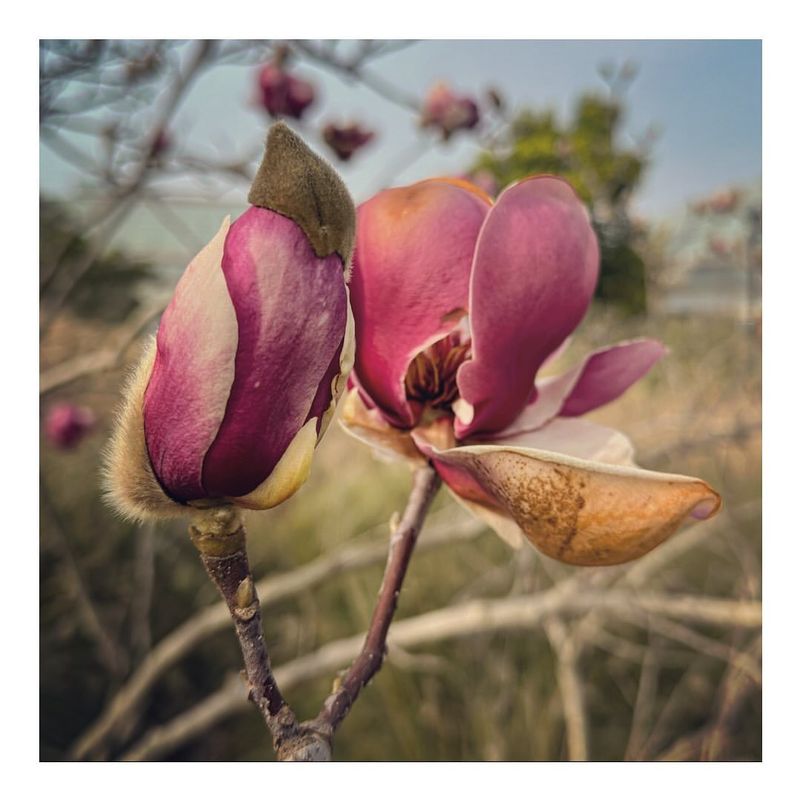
345,140
458,304
250,354
448,112
67,424
281,93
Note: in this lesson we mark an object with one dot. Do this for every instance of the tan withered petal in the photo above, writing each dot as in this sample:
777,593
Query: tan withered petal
584,512
369,427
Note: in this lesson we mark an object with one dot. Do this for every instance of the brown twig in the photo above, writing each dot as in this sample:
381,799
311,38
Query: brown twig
118,719
142,593
354,70
646,693
121,200
455,622
714,740
116,723
109,653
567,650
426,484
103,359
219,536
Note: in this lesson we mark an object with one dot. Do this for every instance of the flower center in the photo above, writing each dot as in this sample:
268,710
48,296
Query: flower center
431,376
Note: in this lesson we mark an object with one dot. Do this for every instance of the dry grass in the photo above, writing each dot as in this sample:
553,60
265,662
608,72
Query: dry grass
649,690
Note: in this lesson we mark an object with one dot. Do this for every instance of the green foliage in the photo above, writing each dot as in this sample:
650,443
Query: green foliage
587,152
107,291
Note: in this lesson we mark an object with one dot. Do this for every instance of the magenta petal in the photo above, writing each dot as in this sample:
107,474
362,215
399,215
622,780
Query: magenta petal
410,281
535,269
600,378
607,373
460,481
192,374
324,395
291,309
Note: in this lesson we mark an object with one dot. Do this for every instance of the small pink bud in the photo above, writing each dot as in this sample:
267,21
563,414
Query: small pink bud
448,112
725,201
67,424
281,93
161,143
345,140
720,247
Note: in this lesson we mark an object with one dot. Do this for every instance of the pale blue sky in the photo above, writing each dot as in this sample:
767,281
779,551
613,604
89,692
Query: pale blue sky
704,96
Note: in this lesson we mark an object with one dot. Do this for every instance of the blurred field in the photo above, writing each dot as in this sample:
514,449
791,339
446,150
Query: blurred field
652,688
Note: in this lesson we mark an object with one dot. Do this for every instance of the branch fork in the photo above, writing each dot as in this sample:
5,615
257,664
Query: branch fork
219,536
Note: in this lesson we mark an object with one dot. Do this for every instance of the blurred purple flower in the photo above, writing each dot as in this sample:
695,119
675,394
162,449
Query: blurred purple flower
345,140
67,424
161,144
448,112
281,93
458,305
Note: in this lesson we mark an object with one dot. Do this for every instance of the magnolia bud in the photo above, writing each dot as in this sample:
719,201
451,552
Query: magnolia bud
251,354
67,424
345,140
448,112
281,93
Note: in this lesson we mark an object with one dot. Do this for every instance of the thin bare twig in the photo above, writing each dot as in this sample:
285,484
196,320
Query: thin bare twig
713,740
466,619
109,653
121,200
220,540
708,646
645,700
354,70
142,594
59,286
567,651
369,661
118,719
106,358
219,537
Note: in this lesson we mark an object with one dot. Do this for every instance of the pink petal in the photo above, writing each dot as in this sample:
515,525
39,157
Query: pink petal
188,390
600,378
291,309
577,438
534,273
438,437
369,427
579,511
607,373
410,281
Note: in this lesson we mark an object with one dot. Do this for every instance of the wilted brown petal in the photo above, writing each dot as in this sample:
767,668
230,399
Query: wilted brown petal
584,512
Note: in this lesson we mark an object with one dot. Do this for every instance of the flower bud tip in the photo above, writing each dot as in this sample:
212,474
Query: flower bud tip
297,183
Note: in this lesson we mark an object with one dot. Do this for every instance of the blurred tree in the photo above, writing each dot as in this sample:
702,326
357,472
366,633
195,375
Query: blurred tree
587,152
108,289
